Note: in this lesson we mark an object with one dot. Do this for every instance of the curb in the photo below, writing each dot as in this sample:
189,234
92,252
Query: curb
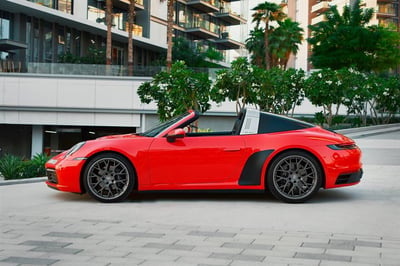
22,181
369,131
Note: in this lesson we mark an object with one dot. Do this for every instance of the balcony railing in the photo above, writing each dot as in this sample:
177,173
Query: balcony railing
87,69
90,69
11,66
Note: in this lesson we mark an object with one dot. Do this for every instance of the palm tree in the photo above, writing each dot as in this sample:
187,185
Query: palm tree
170,28
256,45
109,20
285,40
131,17
267,12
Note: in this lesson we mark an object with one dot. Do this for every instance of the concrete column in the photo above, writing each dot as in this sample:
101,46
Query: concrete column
37,140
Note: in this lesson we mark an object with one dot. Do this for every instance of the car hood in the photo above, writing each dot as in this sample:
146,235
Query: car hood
123,136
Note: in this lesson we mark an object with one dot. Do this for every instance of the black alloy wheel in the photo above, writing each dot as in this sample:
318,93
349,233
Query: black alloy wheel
294,176
109,177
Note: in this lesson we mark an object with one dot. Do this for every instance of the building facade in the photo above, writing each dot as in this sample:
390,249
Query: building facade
51,31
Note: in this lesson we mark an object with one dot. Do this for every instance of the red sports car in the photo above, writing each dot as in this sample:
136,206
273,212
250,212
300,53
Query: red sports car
263,152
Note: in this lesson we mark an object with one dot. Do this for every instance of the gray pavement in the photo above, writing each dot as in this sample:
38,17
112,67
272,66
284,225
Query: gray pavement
356,225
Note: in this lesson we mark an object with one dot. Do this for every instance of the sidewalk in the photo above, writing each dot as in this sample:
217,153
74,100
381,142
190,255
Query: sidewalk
361,132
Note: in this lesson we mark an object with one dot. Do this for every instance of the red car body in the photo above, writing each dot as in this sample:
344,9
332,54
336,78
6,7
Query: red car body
168,158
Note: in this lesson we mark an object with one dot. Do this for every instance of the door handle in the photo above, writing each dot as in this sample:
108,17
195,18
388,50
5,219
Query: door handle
232,149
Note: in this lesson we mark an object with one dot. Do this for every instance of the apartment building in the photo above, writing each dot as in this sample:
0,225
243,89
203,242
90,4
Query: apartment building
47,103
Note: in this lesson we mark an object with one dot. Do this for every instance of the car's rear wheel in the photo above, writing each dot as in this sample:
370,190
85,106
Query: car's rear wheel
109,177
294,176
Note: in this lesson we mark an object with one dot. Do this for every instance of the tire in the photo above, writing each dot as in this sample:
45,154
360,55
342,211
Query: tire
294,176
109,177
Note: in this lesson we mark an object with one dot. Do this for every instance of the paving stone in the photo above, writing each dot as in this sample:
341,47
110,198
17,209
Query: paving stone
166,246
141,234
290,261
68,235
322,256
211,234
229,256
338,242
40,243
205,261
328,246
97,221
49,249
25,260
247,246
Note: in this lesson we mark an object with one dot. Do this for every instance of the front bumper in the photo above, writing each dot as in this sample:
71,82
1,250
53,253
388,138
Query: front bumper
65,175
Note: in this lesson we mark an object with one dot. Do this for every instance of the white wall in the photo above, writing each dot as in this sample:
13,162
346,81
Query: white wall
40,100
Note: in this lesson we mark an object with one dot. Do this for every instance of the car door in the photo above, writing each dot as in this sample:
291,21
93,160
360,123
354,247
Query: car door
196,160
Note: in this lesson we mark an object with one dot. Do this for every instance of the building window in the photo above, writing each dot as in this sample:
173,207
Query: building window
48,43
47,3
62,5
65,6
5,31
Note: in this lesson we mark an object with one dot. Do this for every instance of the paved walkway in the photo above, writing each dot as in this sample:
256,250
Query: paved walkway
51,241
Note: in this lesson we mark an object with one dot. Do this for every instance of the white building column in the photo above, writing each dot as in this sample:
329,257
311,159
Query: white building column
37,140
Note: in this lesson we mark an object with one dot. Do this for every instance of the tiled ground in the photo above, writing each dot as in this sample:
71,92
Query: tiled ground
49,241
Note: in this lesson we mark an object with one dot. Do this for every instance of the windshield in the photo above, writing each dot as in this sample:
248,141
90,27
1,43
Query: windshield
161,127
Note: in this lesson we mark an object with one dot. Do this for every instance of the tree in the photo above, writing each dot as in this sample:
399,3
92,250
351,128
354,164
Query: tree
324,88
183,50
381,95
256,46
131,18
284,41
267,12
281,90
109,21
177,91
239,83
347,41
170,29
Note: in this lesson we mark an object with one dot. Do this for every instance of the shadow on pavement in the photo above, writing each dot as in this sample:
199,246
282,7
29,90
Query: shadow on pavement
323,196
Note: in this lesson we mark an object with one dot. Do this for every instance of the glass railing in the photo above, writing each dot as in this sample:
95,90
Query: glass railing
90,69
87,69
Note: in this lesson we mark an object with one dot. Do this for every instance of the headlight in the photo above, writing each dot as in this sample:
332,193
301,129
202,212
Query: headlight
75,148
343,146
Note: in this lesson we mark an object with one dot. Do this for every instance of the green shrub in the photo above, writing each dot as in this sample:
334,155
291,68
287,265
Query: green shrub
11,167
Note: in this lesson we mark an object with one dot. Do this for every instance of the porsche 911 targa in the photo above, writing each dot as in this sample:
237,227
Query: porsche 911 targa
263,152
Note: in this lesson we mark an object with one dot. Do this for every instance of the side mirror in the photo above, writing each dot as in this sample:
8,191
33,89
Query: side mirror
174,134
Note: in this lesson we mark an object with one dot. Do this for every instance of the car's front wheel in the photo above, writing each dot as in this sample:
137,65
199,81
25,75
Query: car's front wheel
109,177
294,176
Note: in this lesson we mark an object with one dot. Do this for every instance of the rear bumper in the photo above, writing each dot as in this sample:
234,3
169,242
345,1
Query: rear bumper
350,178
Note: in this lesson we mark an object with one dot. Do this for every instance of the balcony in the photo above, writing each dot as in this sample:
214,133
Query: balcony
201,33
386,11
125,4
206,6
317,20
230,18
225,43
320,7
